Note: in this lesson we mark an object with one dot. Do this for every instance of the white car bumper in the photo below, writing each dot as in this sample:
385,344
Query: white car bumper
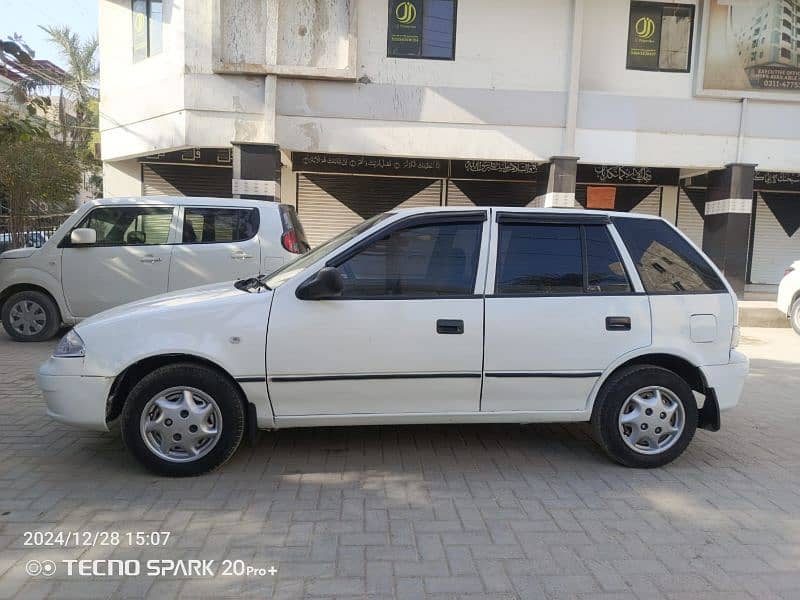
728,380
74,399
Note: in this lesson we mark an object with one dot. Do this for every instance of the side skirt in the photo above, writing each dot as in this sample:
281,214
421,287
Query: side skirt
430,418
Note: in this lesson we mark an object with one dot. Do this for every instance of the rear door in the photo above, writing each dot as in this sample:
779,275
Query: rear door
217,244
560,308
129,261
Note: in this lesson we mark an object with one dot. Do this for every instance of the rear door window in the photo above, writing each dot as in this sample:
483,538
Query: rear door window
217,225
666,262
605,273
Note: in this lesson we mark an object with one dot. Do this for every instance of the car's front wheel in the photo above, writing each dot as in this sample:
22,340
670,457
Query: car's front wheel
30,316
645,416
183,419
794,316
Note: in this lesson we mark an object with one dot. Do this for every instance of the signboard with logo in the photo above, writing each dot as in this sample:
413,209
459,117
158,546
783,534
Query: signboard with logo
193,156
405,27
139,10
316,162
644,36
621,175
752,49
494,169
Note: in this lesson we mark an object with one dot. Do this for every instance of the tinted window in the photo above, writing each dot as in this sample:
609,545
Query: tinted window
539,259
430,260
665,261
605,272
210,225
128,225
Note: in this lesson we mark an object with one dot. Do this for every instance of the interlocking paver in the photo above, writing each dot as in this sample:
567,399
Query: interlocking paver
451,512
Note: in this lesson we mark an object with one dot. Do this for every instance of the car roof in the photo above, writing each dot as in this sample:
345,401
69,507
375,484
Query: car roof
181,201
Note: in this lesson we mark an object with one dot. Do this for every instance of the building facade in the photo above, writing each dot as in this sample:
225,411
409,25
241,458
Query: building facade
346,108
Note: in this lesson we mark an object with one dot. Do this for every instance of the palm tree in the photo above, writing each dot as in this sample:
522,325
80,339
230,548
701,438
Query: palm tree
79,87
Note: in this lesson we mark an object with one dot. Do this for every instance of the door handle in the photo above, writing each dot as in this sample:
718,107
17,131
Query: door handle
241,256
150,259
450,326
618,323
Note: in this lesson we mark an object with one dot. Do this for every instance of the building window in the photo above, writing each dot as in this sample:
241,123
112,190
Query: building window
422,29
660,37
786,53
147,26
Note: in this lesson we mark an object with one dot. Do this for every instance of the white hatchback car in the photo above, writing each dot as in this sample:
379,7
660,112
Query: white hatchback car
789,295
113,251
423,316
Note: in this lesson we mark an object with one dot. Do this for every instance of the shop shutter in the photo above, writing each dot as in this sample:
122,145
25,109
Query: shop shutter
644,200
690,217
186,180
774,248
330,204
490,193
651,205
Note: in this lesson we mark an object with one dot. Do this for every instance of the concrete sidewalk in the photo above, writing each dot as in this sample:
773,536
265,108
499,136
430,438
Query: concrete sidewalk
761,313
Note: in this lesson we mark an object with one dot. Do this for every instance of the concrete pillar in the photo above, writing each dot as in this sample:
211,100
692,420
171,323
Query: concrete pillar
560,187
257,171
669,203
726,224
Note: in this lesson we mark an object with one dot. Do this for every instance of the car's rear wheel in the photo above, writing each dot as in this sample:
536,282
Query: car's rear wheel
645,416
31,316
183,419
794,316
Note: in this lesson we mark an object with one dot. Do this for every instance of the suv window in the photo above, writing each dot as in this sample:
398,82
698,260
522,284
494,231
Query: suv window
215,225
604,270
422,261
129,225
666,262
539,259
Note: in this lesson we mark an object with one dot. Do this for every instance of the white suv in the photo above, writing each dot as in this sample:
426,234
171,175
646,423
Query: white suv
113,251
423,316
789,295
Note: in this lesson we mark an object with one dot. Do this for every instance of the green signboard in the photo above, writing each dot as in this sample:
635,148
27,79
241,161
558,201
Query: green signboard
405,27
644,35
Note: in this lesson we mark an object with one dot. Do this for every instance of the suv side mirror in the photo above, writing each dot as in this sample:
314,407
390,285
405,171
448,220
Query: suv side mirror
327,283
83,237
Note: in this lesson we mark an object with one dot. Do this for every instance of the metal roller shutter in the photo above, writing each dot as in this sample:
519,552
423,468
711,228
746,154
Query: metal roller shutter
690,219
651,205
774,248
330,204
186,180
490,193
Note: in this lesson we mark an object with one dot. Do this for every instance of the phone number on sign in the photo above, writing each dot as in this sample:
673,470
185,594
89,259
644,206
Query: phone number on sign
96,538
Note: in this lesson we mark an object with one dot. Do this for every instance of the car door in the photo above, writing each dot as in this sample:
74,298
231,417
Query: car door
129,261
406,334
217,244
563,308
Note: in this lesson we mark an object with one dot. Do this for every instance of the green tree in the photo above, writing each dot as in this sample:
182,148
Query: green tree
37,174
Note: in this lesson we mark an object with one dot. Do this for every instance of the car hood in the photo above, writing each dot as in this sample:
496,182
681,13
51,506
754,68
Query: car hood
184,302
19,253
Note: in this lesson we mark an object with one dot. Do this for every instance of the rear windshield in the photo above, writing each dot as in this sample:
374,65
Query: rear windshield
666,262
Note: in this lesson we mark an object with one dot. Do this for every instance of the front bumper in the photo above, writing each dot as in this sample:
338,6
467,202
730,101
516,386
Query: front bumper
74,399
728,380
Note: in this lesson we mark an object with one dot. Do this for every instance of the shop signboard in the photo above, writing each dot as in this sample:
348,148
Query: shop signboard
405,27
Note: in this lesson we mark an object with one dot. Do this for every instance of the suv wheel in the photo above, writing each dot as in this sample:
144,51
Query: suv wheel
31,316
794,316
645,416
183,419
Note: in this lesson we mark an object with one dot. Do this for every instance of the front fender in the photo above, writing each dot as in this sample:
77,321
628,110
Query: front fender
34,277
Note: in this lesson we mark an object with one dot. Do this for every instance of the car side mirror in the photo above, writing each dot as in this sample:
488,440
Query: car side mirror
327,283
83,237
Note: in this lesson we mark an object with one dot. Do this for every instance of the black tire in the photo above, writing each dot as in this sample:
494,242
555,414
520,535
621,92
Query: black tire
794,316
37,300
210,382
611,400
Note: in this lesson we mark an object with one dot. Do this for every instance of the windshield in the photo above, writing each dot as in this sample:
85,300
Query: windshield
289,270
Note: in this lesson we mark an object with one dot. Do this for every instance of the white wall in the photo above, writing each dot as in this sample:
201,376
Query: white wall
122,178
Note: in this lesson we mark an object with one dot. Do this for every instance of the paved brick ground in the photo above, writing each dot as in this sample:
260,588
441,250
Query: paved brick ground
413,512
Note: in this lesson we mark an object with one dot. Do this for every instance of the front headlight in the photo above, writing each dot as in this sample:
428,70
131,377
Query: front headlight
70,346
